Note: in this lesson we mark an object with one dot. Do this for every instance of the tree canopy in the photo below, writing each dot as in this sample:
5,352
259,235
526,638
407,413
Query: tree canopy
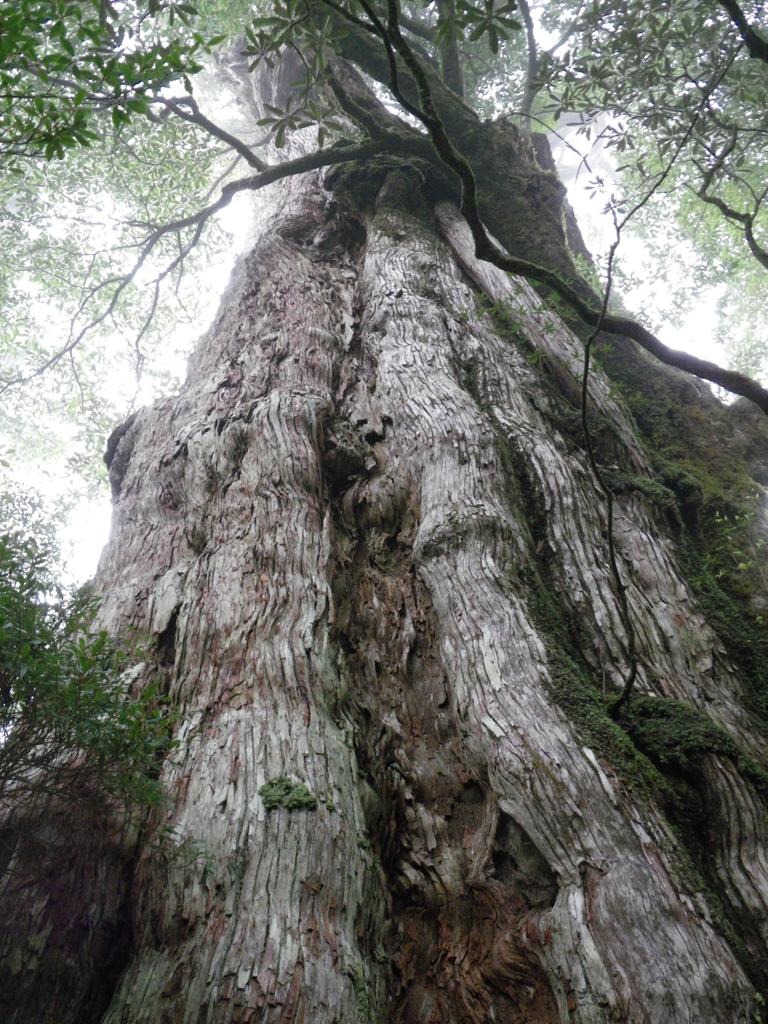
62,63
116,159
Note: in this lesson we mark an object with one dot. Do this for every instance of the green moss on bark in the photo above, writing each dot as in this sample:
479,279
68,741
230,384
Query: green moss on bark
703,453
675,736
284,792
573,687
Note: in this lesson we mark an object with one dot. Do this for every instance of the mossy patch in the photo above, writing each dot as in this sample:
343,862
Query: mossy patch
723,598
675,736
573,688
654,750
284,792
361,181
572,682
684,488
693,445
651,487
362,996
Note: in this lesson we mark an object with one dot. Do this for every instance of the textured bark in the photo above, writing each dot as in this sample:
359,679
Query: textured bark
371,557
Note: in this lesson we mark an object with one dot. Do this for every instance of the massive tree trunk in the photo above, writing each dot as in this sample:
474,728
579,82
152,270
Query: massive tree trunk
371,558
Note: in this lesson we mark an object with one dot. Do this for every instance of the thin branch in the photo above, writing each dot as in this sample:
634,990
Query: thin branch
220,178
365,49
632,657
195,116
621,590
534,61
746,220
78,382
398,143
532,65
568,31
145,326
351,18
394,76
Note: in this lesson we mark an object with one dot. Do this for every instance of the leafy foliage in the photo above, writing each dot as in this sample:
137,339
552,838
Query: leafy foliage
671,95
68,727
63,62
644,81
79,79
69,226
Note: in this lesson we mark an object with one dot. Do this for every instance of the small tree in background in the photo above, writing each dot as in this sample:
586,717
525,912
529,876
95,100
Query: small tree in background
67,720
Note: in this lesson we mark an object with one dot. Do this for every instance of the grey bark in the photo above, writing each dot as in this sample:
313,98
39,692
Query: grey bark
348,538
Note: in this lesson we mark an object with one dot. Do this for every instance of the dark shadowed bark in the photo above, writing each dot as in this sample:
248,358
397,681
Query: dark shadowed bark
372,558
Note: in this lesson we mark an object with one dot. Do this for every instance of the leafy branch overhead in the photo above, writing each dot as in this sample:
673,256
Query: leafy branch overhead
634,84
487,249
61,62
295,25
445,95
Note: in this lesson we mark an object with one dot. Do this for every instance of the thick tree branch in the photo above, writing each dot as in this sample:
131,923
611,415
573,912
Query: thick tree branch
754,41
416,28
362,45
362,107
731,381
488,250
